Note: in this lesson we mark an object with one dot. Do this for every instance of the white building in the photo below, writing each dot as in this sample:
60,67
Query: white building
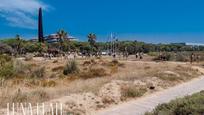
52,38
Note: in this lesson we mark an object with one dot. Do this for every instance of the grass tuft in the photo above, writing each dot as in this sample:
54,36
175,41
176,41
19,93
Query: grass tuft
71,67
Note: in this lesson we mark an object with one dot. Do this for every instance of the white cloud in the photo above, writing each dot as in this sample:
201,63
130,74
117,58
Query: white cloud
21,13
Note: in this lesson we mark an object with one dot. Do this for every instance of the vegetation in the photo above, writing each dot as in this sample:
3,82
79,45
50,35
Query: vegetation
92,73
71,67
183,56
190,105
5,48
92,41
38,72
62,35
132,91
6,67
20,46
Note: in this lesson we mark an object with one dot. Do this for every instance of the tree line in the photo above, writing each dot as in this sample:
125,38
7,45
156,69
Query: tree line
21,46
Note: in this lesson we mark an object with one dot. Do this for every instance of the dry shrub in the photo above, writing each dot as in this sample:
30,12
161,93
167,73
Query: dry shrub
59,68
33,97
39,96
19,97
53,75
121,65
131,91
115,62
33,65
71,67
86,63
93,72
183,57
114,69
89,62
98,72
61,76
147,67
168,77
21,68
55,61
99,58
85,68
5,58
93,61
48,83
38,73
28,57
42,83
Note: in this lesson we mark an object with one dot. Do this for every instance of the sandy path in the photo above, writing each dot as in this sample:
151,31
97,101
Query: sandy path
148,103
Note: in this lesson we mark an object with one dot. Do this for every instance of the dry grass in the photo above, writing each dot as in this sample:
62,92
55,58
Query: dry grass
38,73
92,73
90,79
59,68
48,83
20,96
132,91
114,69
71,67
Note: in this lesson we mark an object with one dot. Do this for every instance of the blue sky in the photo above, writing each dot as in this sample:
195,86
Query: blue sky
145,20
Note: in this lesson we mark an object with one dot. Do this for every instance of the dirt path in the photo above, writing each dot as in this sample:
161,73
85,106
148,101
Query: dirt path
148,103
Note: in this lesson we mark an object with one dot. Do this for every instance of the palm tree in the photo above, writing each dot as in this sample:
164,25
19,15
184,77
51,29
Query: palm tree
62,36
92,40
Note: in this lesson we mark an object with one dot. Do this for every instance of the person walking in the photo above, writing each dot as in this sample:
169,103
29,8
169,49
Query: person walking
191,58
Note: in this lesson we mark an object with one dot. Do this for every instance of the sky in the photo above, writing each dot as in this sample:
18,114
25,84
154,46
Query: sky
154,21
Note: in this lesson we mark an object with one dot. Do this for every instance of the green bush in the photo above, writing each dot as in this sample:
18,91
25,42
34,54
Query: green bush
190,105
153,53
7,71
171,56
6,67
71,67
5,58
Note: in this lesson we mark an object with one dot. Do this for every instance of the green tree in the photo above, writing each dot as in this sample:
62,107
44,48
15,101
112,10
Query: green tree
92,41
18,46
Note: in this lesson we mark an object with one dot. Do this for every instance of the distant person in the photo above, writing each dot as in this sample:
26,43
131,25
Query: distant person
114,55
197,58
140,55
191,58
125,55
136,55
